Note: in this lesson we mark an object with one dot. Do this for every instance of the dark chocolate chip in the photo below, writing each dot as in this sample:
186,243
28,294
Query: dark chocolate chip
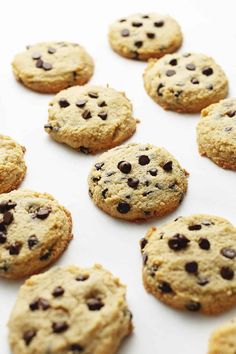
45,255
48,126
86,114
5,206
173,62
193,306
8,218
104,193
228,253
125,32
133,182
207,223
145,258
63,103
42,213
96,179
123,207
39,304
190,67
209,87
99,165
102,115
47,66
138,44
143,160
151,35
58,291
28,336
32,241
80,103
194,81
191,267
165,288
102,104
231,114
94,304
147,193
143,243
84,150
204,244
168,166
3,237
159,23
51,50
15,248
178,242
195,227
145,16
153,171
227,273
137,24
59,327
39,64
178,93
159,186
159,87
122,20
82,277
93,94
36,55
170,72
202,281
124,167
207,71
75,348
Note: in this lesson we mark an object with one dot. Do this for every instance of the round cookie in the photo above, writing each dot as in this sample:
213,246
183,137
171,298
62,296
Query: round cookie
223,339
216,133
137,181
34,231
90,118
53,66
144,36
190,263
185,82
12,164
70,310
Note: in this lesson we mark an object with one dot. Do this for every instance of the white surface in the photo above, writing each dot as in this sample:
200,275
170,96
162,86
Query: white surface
208,27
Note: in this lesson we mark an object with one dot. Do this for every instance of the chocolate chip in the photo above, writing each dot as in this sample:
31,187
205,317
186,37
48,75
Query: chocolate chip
124,166
133,182
84,150
82,277
190,67
28,336
147,193
48,126
143,160
159,87
137,24
86,114
58,291
104,193
96,179
59,327
193,306
207,71
191,267
47,66
3,237
15,248
138,44
195,227
122,20
145,16
165,287
8,218
204,244
207,223
5,206
99,165
178,242
143,243
102,115
45,255
173,62
209,87
39,304
123,207
151,35
195,81
80,103
125,32
102,104
168,166
76,348
159,23
231,114
63,103
228,129
202,281
39,64
145,258
227,273
51,50
42,213
153,171
228,253
94,304
32,241
170,72
36,55
93,94
177,93
159,186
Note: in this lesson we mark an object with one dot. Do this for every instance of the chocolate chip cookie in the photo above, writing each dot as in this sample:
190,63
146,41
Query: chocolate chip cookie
34,231
223,339
70,310
144,36
216,133
53,66
12,164
185,82
90,118
137,181
190,263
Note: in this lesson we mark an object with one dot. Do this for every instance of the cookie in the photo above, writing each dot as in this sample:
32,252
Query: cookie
12,164
70,310
34,231
144,36
190,263
223,340
185,82
137,181
216,133
90,118
53,66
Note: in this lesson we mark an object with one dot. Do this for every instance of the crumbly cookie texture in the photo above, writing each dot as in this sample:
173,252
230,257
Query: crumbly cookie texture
216,133
223,339
12,164
90,118
70,310
34,231
185,82
144,36
53,66
137,181
190,263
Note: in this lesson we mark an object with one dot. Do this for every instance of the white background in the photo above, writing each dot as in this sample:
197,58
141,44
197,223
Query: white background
208,27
